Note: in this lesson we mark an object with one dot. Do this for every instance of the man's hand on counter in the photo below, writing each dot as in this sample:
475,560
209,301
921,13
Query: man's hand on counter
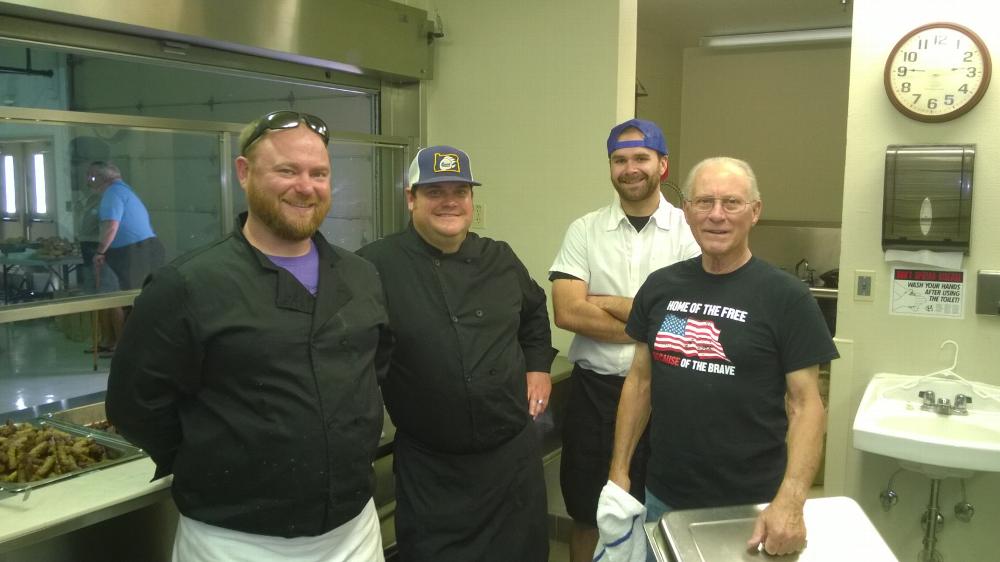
780,528
539,390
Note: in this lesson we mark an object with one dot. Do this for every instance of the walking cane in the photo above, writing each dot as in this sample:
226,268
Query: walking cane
96,328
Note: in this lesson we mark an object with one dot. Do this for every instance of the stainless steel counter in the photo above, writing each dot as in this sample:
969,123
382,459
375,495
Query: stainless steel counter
823,292
53,512
837,530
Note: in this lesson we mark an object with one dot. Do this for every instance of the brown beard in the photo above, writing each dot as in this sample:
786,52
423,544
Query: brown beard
267,208
652,185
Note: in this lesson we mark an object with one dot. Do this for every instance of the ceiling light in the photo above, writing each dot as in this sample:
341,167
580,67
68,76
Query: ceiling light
828,35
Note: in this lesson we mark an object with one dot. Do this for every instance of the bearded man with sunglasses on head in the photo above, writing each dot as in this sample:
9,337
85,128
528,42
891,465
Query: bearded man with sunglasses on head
249,370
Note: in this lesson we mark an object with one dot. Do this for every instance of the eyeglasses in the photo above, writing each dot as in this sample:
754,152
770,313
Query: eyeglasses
729,204
277,120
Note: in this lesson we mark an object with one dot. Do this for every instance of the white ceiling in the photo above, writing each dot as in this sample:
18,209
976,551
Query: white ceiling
684,22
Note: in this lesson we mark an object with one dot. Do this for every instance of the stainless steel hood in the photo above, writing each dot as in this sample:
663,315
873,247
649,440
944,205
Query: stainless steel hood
368,37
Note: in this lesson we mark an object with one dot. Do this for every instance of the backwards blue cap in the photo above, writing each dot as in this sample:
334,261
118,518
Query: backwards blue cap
437,164
652,136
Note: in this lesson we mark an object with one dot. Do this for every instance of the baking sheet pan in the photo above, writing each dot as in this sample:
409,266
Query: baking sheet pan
118,451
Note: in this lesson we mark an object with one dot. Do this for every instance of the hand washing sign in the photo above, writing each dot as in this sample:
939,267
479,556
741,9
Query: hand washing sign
928,292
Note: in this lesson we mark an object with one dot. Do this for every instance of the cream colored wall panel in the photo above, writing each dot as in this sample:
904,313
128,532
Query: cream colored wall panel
906,344
529,89
781,109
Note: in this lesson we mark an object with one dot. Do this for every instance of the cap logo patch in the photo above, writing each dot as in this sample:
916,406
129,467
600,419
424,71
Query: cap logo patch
446,162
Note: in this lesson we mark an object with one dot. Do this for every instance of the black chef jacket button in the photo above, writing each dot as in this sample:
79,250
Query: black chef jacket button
468,260
454,319
343,342
493,371
437,262
479,313
468,379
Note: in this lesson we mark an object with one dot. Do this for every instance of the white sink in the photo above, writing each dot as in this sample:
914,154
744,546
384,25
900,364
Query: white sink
890,422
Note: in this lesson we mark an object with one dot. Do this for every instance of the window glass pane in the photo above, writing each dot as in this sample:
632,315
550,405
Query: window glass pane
141,88
51,360
174,176
66,79
42,85
9,186
177,170
41,206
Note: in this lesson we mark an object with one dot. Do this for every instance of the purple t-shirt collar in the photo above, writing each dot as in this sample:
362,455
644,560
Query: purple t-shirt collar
305,268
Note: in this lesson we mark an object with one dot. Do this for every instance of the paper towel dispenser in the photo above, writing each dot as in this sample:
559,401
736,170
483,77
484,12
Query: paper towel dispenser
928,197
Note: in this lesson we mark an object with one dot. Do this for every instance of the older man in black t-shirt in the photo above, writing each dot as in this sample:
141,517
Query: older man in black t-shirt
724,338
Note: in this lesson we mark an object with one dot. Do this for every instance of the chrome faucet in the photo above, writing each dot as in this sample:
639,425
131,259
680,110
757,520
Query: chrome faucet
929,400
961,401
807,276
944,406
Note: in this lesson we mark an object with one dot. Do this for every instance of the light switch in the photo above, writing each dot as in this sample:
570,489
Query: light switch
478,216
864,285
988,292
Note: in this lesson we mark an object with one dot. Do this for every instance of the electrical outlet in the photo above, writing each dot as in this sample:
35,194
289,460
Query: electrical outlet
478,215
864,285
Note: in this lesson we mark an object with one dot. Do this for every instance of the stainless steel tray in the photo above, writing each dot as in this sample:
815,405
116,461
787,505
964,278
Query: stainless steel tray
85,416
119,451
837,529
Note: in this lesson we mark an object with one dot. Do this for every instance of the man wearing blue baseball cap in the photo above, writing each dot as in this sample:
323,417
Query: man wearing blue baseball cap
469,370
605,257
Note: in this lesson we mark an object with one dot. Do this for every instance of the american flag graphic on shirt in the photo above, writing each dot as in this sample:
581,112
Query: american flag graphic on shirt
693,338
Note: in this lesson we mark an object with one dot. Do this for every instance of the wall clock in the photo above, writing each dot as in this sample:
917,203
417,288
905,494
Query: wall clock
937,72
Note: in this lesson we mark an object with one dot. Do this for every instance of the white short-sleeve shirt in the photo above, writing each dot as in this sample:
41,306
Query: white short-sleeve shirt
603,249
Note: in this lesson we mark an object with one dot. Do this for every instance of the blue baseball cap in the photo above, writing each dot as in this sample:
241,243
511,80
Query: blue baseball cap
438,164
652,136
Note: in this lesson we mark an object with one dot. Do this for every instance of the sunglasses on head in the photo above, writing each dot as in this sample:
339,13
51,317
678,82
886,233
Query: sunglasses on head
277,120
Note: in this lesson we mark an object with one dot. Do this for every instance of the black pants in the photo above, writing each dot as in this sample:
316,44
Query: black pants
134,262
477,507
588,440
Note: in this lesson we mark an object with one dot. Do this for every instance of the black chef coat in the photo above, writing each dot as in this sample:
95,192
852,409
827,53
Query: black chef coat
467,326
260,398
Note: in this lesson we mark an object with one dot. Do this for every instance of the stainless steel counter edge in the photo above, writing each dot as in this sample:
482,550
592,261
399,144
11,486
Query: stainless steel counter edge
73,504
823,293
66,506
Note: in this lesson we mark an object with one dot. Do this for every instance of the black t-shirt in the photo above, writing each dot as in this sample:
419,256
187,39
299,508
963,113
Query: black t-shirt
721,346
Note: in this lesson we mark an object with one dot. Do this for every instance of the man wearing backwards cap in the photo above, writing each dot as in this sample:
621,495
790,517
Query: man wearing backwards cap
605,257
469,370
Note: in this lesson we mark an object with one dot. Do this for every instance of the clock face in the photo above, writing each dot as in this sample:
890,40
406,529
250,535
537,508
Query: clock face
937,72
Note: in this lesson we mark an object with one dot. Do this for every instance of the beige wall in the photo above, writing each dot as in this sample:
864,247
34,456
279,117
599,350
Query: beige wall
784,109
781,109
529,89
870,340
660,67
879,342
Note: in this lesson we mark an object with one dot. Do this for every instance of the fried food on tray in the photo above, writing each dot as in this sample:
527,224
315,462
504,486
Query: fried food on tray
29,453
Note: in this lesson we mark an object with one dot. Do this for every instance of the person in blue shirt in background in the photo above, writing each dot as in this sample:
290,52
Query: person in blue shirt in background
127,241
